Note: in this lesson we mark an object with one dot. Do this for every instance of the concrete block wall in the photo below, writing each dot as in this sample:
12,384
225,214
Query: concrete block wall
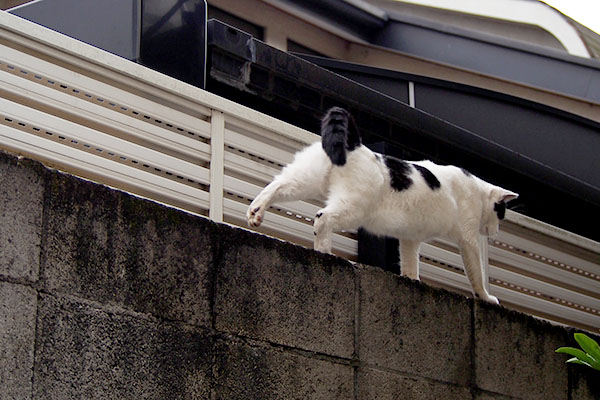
105,295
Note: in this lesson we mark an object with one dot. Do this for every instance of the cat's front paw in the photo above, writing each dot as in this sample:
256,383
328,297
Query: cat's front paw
255,216
412,275
488,297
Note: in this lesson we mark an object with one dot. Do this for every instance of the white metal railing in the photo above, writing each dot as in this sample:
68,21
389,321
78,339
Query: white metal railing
93,114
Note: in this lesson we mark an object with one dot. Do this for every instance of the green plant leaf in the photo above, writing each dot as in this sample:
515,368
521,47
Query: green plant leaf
589,345
581,355
571,351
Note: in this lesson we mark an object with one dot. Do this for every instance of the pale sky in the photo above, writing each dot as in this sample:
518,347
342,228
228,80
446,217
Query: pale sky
586,12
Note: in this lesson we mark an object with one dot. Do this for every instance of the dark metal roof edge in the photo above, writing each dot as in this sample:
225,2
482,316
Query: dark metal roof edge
366,69
368,8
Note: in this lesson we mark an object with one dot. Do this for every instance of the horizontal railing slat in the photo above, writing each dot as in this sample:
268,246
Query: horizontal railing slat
131,129
547,308
549,253
244,166
98,169
62,76
260,149
101,142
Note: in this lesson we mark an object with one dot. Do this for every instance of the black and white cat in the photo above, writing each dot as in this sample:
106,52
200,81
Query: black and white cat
412,201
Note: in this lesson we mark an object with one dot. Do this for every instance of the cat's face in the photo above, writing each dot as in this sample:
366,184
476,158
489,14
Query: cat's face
495,210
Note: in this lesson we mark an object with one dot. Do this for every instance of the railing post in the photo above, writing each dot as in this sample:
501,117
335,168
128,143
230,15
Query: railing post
485,265
217,165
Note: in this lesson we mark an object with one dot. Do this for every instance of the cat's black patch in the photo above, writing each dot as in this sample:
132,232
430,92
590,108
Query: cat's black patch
319,215
339,134
466,172
500,209
399,171
429,177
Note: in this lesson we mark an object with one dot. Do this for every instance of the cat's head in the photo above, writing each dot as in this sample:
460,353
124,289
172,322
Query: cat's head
495,209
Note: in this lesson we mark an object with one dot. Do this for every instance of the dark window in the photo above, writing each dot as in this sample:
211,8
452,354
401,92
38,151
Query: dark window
255,30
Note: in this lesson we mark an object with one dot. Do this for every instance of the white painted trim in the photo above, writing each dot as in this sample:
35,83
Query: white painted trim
526,12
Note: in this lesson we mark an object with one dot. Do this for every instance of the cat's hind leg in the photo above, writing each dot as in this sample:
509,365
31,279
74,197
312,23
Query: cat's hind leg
409,258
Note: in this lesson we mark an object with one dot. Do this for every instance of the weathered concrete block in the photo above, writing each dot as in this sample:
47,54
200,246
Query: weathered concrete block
256,371
87,353
17,336
585,384
514,354
480,395
22,197
114,248
381,385
278,292
410,327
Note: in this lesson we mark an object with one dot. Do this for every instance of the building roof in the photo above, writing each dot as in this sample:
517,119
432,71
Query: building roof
531,21
589,37
523,41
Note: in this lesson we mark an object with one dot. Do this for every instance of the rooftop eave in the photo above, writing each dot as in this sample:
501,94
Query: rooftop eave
354,20
526,12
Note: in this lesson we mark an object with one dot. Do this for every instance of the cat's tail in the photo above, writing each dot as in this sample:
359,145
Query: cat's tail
339,135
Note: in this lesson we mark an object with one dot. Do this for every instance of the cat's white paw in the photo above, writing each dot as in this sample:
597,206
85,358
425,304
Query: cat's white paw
255,215
411,275
323,243
489,298
323,246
